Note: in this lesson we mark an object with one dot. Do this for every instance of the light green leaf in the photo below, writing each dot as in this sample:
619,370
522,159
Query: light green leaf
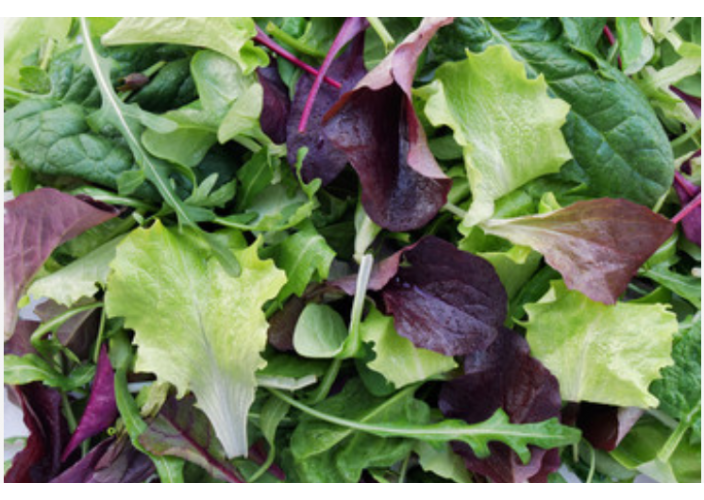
79,279
230,36
397,359
507,125
600,353
320,332
687,287
196,326
635,45
443,462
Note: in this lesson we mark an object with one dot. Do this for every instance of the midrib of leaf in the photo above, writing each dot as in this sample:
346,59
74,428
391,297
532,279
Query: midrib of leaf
109,95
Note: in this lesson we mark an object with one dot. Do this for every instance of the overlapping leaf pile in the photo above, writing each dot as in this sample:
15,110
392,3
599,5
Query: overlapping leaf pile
354,250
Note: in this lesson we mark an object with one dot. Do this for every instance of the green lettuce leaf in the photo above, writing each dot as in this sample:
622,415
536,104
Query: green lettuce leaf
397,359
507,124
196,326
598,352
230,36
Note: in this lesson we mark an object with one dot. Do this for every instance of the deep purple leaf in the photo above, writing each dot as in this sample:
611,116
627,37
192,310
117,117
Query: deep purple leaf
277,104
101,410
506,376
323,161
694,103
604,426
692,222
377,128
441,298
39,461
182,430
111,461
35,224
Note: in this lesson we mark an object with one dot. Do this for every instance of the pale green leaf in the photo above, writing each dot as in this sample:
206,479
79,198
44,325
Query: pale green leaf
320,332
78,279
196,326
507,124
397,359
601,353
230,36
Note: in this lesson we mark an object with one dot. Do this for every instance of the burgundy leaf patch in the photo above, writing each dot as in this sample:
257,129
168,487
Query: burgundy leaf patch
506,376
277,104
597,245
35,224
441,298
376,127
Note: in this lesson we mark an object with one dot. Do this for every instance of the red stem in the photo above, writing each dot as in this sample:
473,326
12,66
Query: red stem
696,202
264,39
350,28
679,179
612,41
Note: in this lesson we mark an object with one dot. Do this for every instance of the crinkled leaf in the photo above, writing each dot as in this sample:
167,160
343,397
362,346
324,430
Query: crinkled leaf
598,352
396,358
221,328
505,376
507,125
230,36
597,245
101,409
35,224
377,128
619,147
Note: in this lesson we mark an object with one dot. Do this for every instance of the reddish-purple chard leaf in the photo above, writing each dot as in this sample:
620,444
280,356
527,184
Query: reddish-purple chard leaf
692,221
604,426
377,128
35,224
506,376
101,409
111,461
39,461
323,161
182,430
442,298
277,104
597,245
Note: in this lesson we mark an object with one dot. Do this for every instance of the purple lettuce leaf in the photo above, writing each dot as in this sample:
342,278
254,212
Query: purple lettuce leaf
101,410
604,426
692,222
182,430
110,461
35,224
40,460
277,104
377,128
441,298
506,376
323,161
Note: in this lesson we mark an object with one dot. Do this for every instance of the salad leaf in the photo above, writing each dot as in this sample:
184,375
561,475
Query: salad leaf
35,224
402,185
442,299
598,352
619,148
507,125
220,321
597,245
230,36
524,388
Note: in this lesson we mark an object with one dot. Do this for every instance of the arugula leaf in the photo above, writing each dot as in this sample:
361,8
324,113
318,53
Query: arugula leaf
222,329
507,125
598,352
